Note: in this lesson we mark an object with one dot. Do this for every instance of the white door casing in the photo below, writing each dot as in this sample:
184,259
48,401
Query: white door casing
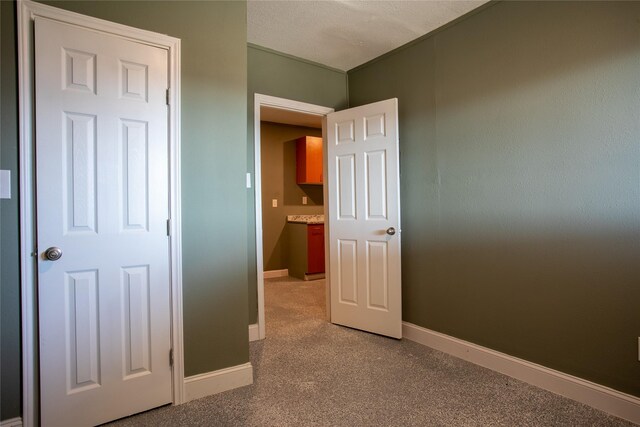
364,218
282,104
102,195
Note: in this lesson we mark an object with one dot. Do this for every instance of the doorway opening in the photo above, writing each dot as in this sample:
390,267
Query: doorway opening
289,196
362,213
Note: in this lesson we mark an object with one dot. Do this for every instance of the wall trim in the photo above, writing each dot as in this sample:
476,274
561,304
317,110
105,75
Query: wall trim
26,11
606,399
254,332
276,273
13,422
283,104
214,382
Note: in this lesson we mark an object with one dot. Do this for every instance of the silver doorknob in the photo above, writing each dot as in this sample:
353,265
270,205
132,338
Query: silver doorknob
391,231
53,253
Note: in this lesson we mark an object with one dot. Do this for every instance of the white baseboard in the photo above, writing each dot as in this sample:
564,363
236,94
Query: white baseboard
218,381
606,399
13,422
275,273
254,332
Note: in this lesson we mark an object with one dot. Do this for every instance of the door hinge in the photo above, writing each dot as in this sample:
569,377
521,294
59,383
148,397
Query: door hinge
168,97
168,227
171,357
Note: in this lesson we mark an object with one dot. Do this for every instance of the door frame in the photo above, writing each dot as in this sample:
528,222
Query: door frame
26,11
299,107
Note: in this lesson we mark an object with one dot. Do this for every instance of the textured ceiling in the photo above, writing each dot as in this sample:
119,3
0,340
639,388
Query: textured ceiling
344,33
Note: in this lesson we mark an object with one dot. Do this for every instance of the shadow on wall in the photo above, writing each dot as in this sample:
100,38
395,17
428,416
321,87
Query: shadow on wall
545,296
530,48
520,182
279,257
293,192
278,158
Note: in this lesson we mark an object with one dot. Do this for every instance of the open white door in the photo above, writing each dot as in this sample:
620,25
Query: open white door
102,199
364,218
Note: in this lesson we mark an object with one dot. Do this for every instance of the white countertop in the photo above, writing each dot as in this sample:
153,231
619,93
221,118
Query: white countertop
306,219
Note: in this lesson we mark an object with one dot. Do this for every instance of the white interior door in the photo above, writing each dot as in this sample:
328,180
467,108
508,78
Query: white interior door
364,218
102,198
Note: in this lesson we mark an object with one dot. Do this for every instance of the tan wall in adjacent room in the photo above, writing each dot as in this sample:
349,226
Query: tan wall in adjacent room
278,161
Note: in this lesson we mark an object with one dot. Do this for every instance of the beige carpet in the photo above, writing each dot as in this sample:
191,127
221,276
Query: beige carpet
311,373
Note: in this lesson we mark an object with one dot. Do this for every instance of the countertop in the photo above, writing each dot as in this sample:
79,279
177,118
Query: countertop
306,219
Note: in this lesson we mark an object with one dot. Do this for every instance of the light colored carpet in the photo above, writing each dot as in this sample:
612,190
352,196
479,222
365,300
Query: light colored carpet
312,373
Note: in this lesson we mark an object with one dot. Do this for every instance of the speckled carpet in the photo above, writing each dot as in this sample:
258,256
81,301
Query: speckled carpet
311,373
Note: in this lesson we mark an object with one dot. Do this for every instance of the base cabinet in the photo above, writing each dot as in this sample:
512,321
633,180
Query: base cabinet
315,248
306,250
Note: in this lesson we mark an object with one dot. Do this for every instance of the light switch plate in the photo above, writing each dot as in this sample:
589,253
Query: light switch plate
274,203
304,200
5,184
248,179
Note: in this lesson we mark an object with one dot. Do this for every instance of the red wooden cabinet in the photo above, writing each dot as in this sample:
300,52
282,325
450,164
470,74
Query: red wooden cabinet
306,250
315,247
309,160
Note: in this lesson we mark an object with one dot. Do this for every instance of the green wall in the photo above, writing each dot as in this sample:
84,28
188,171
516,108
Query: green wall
520,178
276,74
214,135
214,85
520,185
10,366
278,161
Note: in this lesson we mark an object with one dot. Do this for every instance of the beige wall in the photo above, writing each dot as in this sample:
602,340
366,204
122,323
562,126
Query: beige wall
278,160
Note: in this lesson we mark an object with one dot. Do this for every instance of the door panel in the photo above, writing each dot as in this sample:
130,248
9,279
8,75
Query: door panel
136,287
80,172
376,184
346,187
364,202
377,276
102,197
82,321
347,274
135,173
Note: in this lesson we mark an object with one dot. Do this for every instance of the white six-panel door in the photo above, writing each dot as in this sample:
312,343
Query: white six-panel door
364,218
102,198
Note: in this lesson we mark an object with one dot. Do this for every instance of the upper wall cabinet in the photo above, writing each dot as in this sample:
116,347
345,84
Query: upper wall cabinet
309,160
